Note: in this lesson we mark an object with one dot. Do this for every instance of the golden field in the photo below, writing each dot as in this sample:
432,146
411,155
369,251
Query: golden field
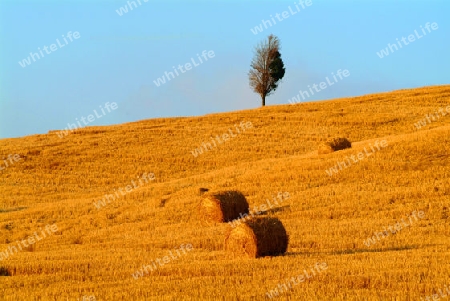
94,252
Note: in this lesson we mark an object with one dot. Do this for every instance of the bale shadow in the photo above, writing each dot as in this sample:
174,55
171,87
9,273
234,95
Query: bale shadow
354,251
12,209
277,209
409,247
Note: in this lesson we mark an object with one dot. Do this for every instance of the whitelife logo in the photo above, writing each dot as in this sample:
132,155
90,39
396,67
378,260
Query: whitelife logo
162,261
53,48
124,9
162,80
285,287
360,156
436,297
411,38
16,158
207,146
31,241
108,198
91,118
322,86
280,17
432,117
281,196
394,228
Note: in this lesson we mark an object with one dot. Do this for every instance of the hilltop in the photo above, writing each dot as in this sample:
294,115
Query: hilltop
330,218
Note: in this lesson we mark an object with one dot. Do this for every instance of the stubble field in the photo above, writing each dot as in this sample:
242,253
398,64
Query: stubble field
96,251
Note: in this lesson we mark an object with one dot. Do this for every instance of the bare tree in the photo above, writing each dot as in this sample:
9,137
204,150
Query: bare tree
267,68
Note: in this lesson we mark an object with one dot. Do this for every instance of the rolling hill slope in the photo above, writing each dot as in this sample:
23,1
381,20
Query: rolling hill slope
97,248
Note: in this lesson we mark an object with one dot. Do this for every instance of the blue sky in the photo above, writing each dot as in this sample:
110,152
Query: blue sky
118,58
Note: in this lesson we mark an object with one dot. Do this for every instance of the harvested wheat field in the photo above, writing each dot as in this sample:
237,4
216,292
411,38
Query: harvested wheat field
111,212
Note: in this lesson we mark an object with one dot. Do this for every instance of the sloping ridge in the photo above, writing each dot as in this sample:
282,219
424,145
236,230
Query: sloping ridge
329,217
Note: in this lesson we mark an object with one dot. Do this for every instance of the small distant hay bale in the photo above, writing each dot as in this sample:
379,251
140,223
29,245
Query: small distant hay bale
223,206
333,145
257,237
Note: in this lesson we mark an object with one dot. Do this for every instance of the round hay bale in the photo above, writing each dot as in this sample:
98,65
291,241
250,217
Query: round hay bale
257,237
333,145
223,206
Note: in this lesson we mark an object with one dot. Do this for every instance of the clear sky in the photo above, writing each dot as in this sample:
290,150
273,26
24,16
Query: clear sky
117,58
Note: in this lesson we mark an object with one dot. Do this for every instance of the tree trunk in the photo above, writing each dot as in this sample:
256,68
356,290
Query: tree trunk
263,100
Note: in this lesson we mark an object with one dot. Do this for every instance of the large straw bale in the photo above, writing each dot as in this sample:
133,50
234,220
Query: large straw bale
223,206
257,237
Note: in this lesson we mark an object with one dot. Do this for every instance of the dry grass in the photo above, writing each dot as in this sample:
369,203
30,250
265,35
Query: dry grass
94,252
